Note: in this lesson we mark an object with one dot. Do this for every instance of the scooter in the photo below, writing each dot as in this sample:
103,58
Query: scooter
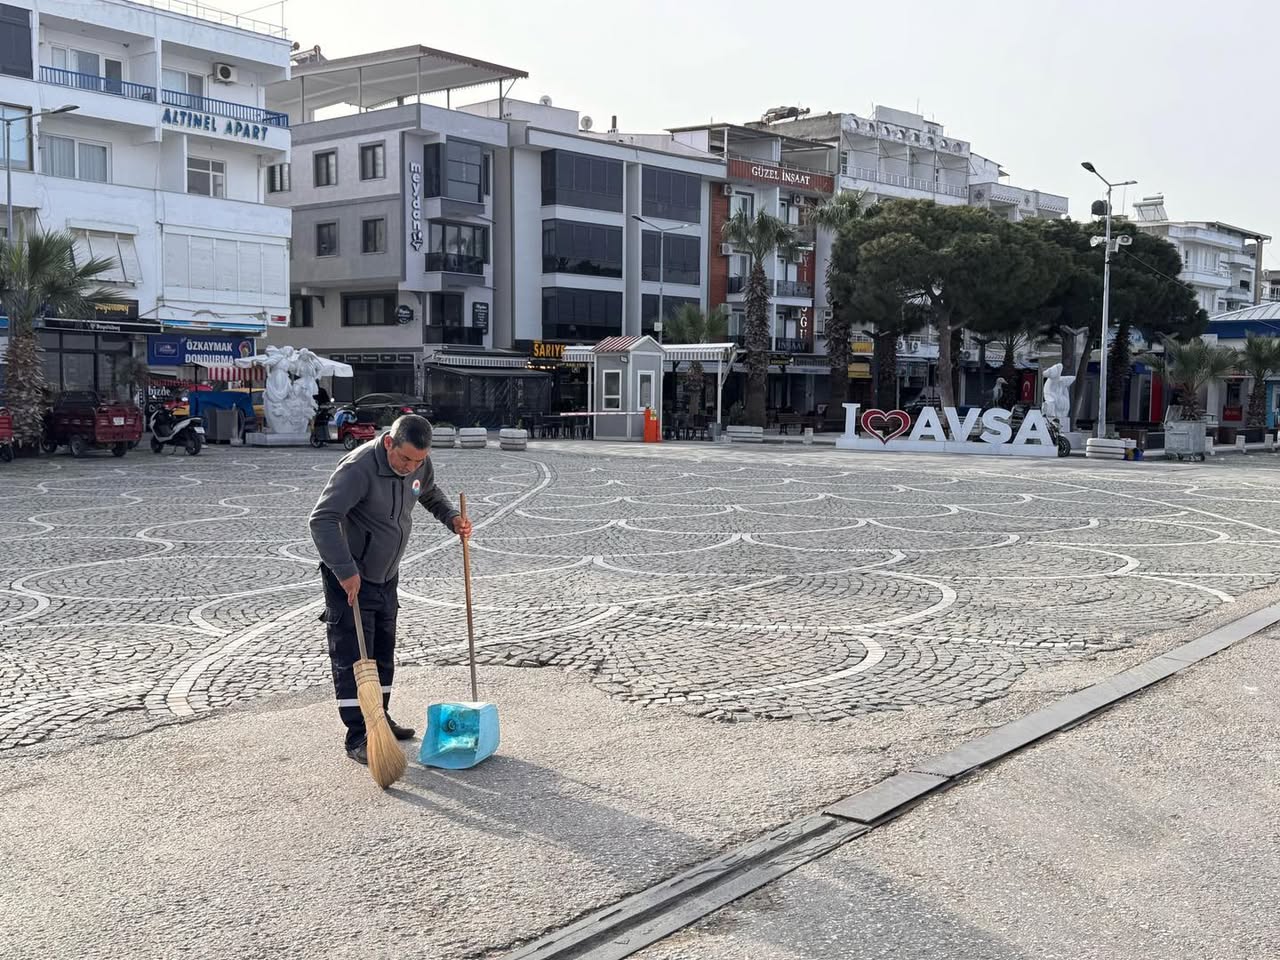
320,426
168,430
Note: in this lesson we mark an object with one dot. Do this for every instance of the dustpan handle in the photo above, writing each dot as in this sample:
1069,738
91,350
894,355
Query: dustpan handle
355,607
466,582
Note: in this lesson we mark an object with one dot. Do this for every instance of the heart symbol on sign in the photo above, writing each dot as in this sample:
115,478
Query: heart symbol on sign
876,423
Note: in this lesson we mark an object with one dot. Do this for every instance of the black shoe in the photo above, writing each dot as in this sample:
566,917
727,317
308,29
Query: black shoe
359,753
402,733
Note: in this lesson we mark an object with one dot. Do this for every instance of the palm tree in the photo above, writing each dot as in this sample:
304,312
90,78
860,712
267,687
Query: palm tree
1189,367
759,238
1260,358
836,215
691,325
39,276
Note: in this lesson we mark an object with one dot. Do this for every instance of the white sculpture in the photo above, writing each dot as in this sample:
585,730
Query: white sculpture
289,398
1057,397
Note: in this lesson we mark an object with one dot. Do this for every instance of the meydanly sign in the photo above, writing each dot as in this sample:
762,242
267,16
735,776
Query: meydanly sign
893,431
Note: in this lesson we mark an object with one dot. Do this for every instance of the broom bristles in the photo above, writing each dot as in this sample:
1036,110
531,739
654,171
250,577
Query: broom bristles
386,760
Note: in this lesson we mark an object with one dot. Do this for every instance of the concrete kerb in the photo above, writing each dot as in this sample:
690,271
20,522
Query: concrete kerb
642,919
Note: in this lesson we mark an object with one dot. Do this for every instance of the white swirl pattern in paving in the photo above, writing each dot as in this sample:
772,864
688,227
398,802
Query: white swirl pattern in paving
732,584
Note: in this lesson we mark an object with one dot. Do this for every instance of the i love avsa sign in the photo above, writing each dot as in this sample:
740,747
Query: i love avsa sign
986,432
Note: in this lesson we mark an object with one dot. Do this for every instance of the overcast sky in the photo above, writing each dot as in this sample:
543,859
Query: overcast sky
1173,94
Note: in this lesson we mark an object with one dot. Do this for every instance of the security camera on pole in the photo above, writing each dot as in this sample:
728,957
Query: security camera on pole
1121,241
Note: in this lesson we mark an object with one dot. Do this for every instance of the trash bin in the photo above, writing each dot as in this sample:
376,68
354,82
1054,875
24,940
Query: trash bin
225,426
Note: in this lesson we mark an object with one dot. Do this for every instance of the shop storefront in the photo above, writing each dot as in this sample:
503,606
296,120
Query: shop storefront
377,373
199,358
489,388
86,354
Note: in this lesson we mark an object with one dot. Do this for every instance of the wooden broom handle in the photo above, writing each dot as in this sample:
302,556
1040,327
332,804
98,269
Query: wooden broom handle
355,609
466,583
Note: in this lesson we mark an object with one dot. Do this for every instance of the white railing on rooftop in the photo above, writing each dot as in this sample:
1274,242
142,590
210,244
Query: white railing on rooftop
202,11
911,183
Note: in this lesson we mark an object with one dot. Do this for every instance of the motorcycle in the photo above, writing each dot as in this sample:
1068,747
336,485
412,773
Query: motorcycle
1055,431
168,430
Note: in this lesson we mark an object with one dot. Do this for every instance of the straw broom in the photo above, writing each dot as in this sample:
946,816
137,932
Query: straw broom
386,759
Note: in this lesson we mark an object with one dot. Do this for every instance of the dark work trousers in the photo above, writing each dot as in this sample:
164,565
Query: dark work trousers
378,608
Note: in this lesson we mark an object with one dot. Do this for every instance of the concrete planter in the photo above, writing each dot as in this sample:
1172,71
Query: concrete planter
444,437
744,434
513,439
473,438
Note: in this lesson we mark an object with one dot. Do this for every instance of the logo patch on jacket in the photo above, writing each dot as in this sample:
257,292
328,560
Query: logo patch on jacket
417,487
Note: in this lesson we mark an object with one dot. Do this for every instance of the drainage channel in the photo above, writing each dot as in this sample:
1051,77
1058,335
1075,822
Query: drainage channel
646,917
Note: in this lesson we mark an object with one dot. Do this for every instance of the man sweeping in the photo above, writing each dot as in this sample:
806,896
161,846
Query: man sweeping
361,526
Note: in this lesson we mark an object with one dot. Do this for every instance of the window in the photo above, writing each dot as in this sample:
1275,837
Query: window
181,82
585,248
369,310
743,203
457,170
671,195
569,313
15,41
373,236
74,159
117,249
645,393
670,305
613,390
680,258
19,146
326,168
457,247
208,178
300,312
575,180
326,239
279,178
373,161
87,70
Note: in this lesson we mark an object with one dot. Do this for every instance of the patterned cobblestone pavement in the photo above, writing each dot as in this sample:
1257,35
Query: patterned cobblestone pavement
733,584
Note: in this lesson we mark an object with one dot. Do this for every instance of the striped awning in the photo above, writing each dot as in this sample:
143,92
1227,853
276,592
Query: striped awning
231,373
477,360
616,344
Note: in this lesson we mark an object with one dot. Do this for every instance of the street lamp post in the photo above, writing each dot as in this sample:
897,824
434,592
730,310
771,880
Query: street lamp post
662,244
8,157
1101,429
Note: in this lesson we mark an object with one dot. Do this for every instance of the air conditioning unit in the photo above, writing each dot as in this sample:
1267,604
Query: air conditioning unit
726,249
726,189
827,313
797,198
224,73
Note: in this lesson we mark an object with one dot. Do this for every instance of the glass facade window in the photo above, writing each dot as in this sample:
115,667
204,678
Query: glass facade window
455,169
681,258
576,180
81,361
670,304
587,316
671,195
590,249
457,247
369,310
300,312
75,159
208,178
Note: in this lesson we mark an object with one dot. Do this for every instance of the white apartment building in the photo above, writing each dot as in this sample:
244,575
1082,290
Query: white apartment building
897,154
160,168
1271,285
1222,263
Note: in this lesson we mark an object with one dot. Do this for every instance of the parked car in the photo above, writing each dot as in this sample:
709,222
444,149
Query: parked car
382,408
81,420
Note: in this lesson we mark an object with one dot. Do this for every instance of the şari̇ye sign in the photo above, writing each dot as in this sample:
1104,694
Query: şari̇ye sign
893,430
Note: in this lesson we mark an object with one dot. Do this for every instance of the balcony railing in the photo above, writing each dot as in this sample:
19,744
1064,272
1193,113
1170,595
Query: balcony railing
737,284
454,263
795,288
224,108
911,183
87,81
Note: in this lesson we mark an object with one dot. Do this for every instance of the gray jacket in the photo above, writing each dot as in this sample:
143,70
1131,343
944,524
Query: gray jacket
361,522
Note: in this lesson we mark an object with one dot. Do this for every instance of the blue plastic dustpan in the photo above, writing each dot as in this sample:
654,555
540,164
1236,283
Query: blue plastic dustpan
460,735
